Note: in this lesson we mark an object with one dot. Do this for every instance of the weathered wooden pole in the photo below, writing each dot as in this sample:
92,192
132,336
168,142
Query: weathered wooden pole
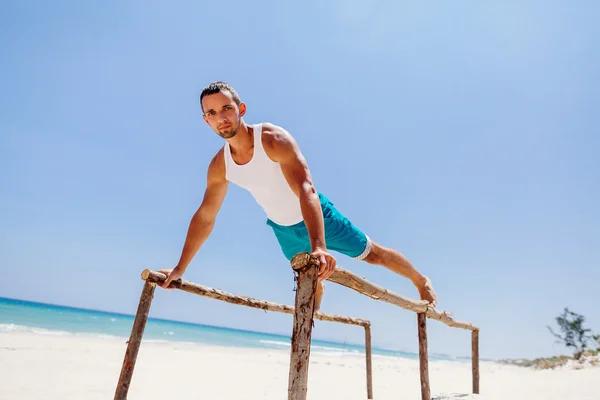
475,360
134,340
218,294
423,360
307,270
363,286
369,365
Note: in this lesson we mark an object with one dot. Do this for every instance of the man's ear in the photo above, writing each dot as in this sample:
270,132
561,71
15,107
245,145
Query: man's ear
242,108
205,119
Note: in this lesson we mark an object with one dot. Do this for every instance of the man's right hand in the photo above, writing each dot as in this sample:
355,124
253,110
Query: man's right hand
172,275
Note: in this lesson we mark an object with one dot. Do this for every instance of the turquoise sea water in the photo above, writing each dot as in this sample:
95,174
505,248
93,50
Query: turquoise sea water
48,319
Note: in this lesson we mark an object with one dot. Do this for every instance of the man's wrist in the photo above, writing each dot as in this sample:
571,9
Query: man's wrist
319,247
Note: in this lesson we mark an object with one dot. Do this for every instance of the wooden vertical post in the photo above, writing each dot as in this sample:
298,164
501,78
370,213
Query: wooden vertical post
307,269
423,359
135,340
369,365
475,359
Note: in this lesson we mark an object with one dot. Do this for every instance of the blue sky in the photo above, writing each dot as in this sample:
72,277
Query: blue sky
464,135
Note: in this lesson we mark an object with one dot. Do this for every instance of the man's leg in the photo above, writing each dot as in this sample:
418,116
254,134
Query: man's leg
343,236
319,294
398,263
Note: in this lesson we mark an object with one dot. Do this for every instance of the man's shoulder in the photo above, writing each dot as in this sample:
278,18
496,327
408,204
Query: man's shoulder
273,135
278,143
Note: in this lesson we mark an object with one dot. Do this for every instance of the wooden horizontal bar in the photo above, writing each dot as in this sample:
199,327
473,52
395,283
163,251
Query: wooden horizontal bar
363,286
217,294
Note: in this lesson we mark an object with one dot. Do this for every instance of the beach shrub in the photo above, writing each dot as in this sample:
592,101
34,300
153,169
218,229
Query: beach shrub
597,340
573,333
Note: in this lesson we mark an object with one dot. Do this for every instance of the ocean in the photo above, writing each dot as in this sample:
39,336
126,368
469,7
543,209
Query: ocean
49,319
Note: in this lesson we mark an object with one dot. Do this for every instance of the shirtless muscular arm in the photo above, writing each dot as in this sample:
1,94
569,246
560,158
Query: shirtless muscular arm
204,218
281,147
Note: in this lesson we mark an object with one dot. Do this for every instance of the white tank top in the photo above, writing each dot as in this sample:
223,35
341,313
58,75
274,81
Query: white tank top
264,180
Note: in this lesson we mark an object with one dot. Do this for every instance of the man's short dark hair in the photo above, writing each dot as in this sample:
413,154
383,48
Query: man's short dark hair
219,86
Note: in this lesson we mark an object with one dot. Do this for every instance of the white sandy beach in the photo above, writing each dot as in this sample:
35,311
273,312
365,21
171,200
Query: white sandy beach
34,366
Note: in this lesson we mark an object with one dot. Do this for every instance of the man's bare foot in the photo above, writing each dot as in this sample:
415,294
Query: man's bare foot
427,293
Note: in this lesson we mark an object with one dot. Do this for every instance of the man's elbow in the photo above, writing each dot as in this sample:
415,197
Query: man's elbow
203,217
307,189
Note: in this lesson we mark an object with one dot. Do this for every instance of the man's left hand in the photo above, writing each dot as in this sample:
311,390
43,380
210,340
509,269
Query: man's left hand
327,262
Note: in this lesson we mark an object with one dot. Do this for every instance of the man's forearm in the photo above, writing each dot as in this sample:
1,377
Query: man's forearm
312,213
198,232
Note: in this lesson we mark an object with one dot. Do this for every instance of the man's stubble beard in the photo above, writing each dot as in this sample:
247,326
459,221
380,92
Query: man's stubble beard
228,134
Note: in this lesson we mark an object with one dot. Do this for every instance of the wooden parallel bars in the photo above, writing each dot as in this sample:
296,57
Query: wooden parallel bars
361,285
152,278
306,267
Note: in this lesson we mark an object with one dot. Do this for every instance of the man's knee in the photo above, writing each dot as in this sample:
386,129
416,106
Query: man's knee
376,255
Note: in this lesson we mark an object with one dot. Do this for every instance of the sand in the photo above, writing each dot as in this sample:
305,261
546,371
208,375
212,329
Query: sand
35,366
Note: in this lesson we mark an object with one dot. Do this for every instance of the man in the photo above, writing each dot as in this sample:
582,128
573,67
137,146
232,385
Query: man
266,160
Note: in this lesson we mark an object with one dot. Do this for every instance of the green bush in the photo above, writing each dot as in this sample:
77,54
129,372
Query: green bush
573,333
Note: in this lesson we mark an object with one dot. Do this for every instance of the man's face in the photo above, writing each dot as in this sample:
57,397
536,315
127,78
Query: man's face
222,113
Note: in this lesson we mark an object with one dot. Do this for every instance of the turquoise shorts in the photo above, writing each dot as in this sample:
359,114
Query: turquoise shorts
340,235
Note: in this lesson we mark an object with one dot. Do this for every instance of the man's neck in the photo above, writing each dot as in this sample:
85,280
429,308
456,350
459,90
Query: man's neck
243,140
